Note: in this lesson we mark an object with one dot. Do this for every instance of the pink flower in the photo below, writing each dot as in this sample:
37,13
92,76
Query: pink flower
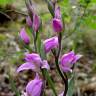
29,21
36,22
34,58
50,43
34,87
57,21
67,61
57,25
34,63
57,13
23,35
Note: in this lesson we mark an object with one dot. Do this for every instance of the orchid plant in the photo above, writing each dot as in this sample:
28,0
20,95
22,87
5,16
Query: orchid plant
36,60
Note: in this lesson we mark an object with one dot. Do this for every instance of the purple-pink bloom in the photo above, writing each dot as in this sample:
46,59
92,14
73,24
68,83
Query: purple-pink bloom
26,66
36,22
29,21
50,43
57,13
57,25
34,87
34,58
24,36
34,63
67,61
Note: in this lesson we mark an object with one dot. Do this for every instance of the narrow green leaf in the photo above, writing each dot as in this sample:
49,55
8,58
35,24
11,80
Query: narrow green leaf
51,84
42,52
50,7
38,44
71,86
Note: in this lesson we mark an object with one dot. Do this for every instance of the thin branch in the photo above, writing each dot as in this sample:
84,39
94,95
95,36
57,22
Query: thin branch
6,15
16,11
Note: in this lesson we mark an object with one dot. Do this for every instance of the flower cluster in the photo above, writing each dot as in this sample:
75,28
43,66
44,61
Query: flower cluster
34,23
34,61
67,60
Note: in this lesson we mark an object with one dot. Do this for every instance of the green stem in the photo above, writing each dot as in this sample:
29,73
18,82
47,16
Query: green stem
49,81
59,40
42,92
35,36
17,11
65,79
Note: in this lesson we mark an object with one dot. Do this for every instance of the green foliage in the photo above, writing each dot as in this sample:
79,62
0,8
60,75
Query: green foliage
13,85
45,17
94,1
4,2
2,37
90,21
71,86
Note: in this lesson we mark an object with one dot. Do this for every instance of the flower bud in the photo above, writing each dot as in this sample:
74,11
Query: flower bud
34,87
29,21
51,7
67,61
57,13
24,36
36,22
57,25
50,43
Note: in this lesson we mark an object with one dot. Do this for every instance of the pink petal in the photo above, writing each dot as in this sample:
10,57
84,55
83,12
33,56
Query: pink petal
50,43
76,58
34,58
57,25
24,36
45,65
67,58
34,87
57,13
26,66
66,68
36,22
29,21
